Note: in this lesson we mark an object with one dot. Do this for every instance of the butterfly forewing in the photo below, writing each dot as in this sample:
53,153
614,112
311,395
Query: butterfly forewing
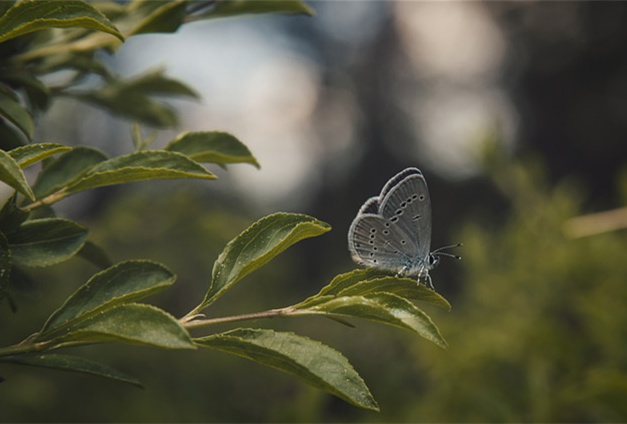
407,204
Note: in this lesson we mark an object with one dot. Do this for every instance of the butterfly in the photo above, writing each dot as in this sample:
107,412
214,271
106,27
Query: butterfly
392,231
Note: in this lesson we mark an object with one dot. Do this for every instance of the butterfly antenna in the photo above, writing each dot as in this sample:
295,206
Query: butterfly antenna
438,251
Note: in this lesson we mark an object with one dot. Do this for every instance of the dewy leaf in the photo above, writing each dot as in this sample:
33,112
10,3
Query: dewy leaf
130,323
385,308
33,153
309,360
44,242
29,16
66,168
256,246
15,113
12,175
240,7
74,364
212,147
125,282
5,266
140,166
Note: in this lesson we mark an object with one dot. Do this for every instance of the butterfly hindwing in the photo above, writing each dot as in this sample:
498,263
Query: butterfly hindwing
375,241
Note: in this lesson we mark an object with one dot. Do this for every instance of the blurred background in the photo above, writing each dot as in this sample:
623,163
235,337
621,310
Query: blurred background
516,112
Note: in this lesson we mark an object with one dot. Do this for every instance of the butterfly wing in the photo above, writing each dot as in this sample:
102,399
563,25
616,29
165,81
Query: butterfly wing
393,231
376,242
408,199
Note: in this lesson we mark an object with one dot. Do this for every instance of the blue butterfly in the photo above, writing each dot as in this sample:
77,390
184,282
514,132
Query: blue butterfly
392,231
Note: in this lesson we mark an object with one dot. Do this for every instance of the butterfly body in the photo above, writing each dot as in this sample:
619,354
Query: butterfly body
392,231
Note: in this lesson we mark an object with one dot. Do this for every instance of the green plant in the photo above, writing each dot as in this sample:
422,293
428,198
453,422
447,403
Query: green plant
41,37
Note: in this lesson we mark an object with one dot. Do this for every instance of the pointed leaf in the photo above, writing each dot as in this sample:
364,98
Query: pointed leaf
212,147
33,153
125,282
73,363
385,308
130,323
66,168
16,114
29,16
136,106
38,93
12,175
343,281
168,17
311,361
95,254
11,216
5,266
10,136
240,7
403,287
155,82
140,166
257,245
44,242
132,98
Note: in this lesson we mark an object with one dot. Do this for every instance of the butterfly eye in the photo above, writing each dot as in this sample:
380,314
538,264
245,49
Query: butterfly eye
422,197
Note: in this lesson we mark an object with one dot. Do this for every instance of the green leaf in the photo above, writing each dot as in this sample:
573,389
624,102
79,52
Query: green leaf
125,282
370,280
29,16
348,279
385,308
212,147
66,168
38,94
95,254
33,153
135,106
44,242
166,18
12,175
155,82
73,363
403,287
131,98
17,114
129,323
311,361
256,246
240,7
11,216
10,136
140,166
5,266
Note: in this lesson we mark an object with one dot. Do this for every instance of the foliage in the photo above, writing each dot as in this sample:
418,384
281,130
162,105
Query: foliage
38,38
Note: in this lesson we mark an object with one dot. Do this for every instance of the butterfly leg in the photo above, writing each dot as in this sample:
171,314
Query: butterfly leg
424,274
401,271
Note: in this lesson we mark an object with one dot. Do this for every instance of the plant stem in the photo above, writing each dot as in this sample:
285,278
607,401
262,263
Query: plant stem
272,313
22,348
48,200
